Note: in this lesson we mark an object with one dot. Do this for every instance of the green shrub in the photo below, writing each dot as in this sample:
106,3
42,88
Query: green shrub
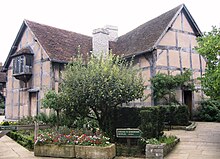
152,120
127,117
162,139
29,120
5,123
2,104
209,110
24,140
181,116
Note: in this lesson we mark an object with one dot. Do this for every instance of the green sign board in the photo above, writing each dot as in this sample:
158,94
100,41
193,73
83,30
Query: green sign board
128,133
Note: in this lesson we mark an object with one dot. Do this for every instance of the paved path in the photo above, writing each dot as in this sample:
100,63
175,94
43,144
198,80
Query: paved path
203,143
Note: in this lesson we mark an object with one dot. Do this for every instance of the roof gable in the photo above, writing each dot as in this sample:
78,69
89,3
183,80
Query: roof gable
60,45
145,37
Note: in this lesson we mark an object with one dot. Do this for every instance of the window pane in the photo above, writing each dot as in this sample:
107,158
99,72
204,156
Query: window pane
17,64
14,65
28,60
21,64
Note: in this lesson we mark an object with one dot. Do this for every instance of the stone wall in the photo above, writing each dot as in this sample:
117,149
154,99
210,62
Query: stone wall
159,151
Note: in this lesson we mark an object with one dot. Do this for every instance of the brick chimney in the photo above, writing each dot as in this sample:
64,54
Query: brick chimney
101,38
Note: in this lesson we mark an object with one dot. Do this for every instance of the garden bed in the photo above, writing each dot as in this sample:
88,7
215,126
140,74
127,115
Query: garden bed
159,151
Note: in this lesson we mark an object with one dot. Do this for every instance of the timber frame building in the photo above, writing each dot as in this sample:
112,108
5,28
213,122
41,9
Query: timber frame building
37,57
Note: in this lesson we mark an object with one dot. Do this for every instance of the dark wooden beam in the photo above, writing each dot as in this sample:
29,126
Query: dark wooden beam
182,31
175,48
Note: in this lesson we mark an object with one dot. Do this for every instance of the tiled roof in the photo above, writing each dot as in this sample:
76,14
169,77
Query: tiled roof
60,45
144,37
26,50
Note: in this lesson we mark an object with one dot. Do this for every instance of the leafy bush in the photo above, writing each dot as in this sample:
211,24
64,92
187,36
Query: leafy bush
2,105
209,110
23,139
163,139
29,120
151,122
127,117
50,119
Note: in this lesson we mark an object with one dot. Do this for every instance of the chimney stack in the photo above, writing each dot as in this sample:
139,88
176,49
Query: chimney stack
101,38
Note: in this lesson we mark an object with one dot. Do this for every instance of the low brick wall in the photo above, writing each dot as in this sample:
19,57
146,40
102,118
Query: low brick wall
159,151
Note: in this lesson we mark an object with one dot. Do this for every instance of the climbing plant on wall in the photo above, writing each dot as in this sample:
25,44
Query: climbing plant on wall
164,86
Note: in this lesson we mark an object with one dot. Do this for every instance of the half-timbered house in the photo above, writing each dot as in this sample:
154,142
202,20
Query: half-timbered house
37,57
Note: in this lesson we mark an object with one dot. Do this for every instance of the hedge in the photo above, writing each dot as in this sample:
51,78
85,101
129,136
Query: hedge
151,119
24,140
209,110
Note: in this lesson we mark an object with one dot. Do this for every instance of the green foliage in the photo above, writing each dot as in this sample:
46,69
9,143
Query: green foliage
151,122
55,101
164,85
2,104
162,139
50,119
96,88
29,120
181,116
209,110
209,48
5,123
24,139
127,117
153,118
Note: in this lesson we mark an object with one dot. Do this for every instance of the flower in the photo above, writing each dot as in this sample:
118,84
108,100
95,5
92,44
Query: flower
54,137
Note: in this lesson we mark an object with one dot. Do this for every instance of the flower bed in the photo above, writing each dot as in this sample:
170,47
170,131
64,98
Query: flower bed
73,144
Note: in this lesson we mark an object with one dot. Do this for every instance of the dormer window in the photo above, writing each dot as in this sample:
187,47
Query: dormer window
22,64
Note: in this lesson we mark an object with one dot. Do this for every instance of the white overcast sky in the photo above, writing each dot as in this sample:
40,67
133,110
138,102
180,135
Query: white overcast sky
83,16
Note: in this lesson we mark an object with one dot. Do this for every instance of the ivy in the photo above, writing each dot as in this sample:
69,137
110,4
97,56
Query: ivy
164,86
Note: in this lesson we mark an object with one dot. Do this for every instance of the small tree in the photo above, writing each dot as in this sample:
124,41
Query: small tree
96,88
164,86
54,101
209,47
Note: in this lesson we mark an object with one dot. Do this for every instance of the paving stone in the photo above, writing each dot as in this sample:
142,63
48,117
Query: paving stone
203,143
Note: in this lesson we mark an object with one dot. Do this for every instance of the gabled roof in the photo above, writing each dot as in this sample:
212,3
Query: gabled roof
62,45
145,37
59,44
